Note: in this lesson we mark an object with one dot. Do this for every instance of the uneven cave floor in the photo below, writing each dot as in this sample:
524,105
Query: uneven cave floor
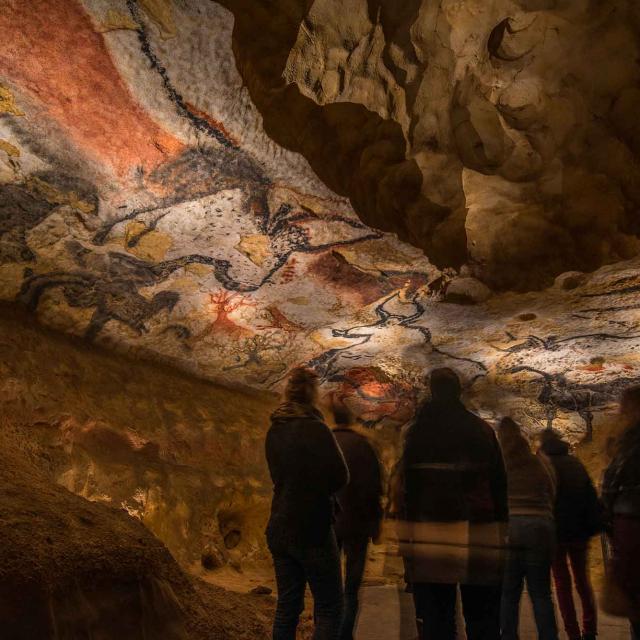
386,610
75,569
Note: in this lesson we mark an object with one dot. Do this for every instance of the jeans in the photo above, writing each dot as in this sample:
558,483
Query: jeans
355,552
295,566
436,608
531,552
577,554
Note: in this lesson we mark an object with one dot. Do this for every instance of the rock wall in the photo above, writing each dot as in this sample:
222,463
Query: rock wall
70,568
518,118
182,455
205,186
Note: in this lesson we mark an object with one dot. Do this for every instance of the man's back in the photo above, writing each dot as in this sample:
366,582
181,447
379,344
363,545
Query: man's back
576,507
453,467
453,476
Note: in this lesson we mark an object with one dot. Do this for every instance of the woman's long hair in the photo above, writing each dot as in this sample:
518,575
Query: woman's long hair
515,447
302,386
519,459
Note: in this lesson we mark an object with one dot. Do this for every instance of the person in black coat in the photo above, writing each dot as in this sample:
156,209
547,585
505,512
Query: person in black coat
455,504
307,469
578,517
359,512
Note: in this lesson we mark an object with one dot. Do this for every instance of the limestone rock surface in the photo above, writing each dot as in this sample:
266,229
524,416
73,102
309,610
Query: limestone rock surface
72,568
515,142
183,456
182,189
466,291
236,188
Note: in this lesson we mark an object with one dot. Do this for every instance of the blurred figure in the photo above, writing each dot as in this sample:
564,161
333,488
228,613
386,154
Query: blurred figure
578,517
454,491
532,534
359,511
307,468
621,497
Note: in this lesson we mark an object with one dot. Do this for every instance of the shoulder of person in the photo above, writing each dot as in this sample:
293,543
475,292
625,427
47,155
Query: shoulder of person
275,426
575,463
355,434
317,426
546,463
424,413
570,469
482,424
344,431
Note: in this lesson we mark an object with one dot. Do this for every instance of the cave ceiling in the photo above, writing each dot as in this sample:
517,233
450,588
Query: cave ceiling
373,192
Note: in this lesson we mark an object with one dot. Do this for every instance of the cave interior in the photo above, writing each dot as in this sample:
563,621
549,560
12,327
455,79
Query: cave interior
197,196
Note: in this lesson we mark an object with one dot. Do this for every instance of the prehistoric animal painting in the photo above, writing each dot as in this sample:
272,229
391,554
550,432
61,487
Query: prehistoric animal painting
142,204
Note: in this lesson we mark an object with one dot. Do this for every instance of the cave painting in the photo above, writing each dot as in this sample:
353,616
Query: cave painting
158,215
515,118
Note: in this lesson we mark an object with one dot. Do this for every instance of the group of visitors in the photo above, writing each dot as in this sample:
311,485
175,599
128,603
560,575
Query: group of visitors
477,512
327,491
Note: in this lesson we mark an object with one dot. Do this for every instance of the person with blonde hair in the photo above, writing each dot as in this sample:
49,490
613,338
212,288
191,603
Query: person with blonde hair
307,468
532,537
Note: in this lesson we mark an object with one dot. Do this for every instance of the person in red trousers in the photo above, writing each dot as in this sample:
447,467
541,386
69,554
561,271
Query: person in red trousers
578,517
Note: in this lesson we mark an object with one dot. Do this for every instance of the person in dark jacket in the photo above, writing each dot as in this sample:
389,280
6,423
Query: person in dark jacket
621,497
531,483
359,512
307,469
454,492
578,517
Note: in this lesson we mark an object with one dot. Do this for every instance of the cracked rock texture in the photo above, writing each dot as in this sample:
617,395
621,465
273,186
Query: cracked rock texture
372,189
517,123
182,455
74,569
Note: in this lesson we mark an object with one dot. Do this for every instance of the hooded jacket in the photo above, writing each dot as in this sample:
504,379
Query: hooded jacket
306,468
577,508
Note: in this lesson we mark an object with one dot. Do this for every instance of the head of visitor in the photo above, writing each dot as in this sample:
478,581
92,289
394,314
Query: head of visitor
302,386
610,448
514,444
445,386
342,415
630,406
552,444
628,443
